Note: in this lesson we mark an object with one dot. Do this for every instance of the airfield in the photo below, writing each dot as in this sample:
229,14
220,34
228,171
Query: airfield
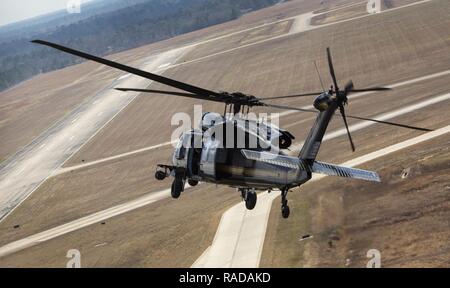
78,157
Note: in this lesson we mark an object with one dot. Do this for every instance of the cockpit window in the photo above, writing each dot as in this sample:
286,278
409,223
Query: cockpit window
191,139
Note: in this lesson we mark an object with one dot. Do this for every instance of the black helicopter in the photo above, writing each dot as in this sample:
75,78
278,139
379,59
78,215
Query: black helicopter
202,156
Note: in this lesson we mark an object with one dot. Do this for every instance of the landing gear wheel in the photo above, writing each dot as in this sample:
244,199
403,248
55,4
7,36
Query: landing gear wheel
160,175
177,188
192,183
285,142
285,212
250,199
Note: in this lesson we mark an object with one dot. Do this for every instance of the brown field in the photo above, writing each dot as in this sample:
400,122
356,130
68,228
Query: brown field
169,233
239,39
406,219
409,43
72,195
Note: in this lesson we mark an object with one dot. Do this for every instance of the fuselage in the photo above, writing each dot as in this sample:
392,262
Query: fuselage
215,155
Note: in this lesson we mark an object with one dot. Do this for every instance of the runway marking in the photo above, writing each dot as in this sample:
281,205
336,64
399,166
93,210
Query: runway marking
75,120
123,76
229,250
69,169
164,65
83,222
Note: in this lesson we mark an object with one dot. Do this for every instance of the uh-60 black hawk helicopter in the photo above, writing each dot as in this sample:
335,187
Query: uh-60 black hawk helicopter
200,156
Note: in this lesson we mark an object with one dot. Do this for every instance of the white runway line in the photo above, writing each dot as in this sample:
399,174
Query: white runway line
123,77
164,65
72,168
242,247
83,222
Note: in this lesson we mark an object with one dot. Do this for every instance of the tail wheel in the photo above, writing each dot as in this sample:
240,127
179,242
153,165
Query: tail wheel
177,188
250,200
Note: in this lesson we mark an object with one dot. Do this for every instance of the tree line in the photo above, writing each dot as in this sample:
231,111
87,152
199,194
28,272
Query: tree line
113,31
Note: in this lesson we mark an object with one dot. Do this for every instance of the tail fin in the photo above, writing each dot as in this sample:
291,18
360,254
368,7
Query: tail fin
314,140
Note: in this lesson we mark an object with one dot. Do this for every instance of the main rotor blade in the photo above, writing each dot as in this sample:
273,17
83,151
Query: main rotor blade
390,123
174,93
145,74
287,108
350,116
370,89
293,96
333,74
342,109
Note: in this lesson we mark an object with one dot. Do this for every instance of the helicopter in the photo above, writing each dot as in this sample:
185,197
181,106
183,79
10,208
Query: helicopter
259,162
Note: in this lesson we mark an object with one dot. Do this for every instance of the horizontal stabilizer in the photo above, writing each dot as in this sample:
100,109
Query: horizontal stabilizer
316,167
335,170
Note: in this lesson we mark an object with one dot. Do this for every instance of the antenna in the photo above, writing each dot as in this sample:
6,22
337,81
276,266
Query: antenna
320,78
